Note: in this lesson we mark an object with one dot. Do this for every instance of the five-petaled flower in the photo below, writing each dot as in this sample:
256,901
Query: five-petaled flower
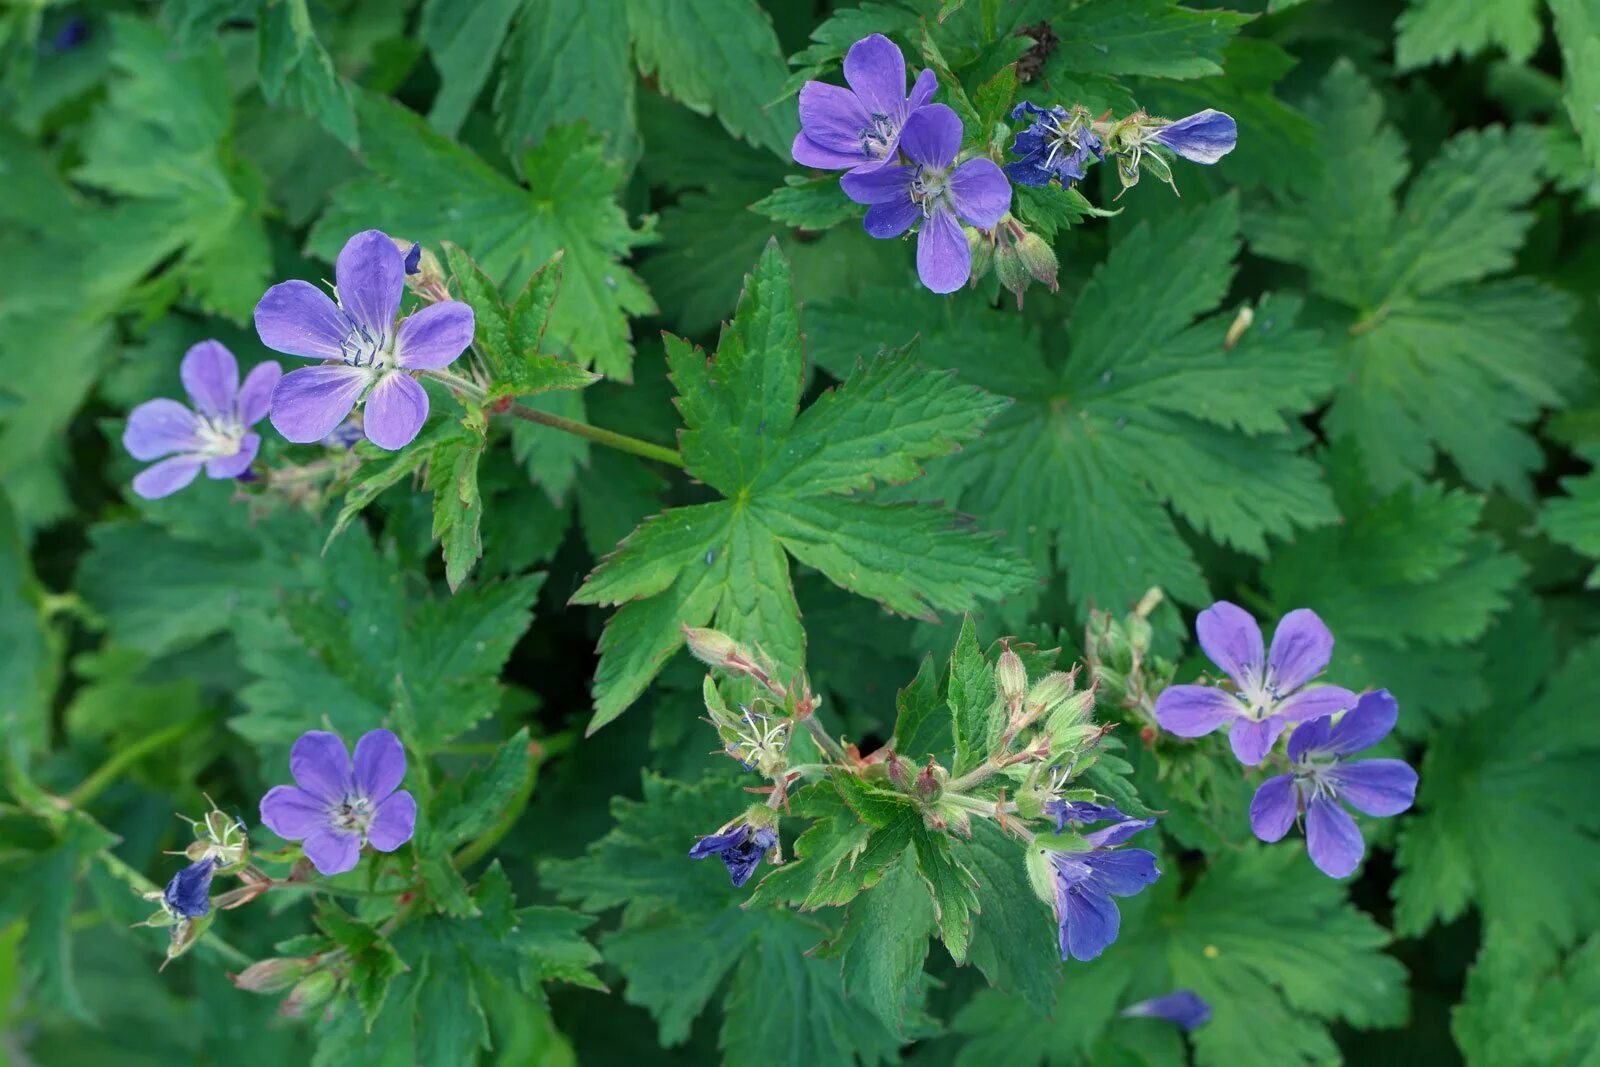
188,895
368,354
1203,137
215,435
859,127
741,847
1085,882
336,808
1319,779
1271,690
929,188
1185,1008
1056,145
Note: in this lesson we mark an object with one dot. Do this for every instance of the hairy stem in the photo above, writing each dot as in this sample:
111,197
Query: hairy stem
609,438
119,761
834,750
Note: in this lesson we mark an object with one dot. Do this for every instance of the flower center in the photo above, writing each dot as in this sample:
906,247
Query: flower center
929,189
219,435
361,349
876,136
353,813
1314,777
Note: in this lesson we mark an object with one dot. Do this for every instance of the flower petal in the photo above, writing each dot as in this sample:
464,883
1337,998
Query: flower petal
1309,737
712,844
321,766
891,219
931,136
1117,833
167,477
292,813
236,464
832,118
1252,740
876,70
394,822
1185,1008
1333,838
980,192
809,153
211,378
1273,808
1232,640
370,275
944,260
1315,703
1203,137
380,764
299,319
396,409
308,403
158,428
1090,922
434,336
880,185
1195,710
922,90
1124,872
1376,786
1364,725
1301,648
255,395
332,851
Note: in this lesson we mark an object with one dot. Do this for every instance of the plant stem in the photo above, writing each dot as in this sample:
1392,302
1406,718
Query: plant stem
476,849
609,438
977,776
122,759
457,384
834,750
319,886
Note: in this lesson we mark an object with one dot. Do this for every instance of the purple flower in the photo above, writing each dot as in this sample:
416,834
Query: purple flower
1086,882
368,355
1057,145
859,127
1079,811
1204,137
214,435
741,847
335,808
928,189
189,893
1185,1007
1270,696
1319,779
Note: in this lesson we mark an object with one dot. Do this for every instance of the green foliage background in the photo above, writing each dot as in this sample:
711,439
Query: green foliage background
1402,440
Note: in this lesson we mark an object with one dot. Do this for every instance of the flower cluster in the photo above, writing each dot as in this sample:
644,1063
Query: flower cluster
1060,144
336,807
220,847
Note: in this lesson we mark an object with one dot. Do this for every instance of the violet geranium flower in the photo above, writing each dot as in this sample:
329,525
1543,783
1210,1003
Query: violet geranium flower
741,847
859,127
930,189
1319,779
1057,144
1203,137
188,895
215,435
1085,882
368,354
1271,690
335,808
1184,1008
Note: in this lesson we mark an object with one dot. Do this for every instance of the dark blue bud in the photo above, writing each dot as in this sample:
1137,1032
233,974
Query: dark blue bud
414,259
189,892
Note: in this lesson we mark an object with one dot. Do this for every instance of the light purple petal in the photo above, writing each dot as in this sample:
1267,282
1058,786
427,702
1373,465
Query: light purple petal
255,395
292,813
981,193
396,409
1124,872
394,822
932,136
1185,1008
158,428
1204,137
1273,808
1252,740
236,464
332,851
1332,838
211,377
1301,648
1369,722
808,153
1090,922
167,477
876,71
380,764
881,185
1309,737
434,336
944,260
1376,786
308,403
1117,833
299,319
1195,710
832,118
891,219
370,275
1232,640
922,90
321,766
1315,703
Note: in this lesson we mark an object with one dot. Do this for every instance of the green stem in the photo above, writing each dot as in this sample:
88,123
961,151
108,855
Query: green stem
121,760
319,886
463,386
609,438
834,750
476,849
976,776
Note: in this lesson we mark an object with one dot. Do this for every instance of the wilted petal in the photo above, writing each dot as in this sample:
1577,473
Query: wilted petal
944,260
1186,1008
434,336
1315,703
833,119
167,477
380,764
1369,722
932,136
396,409
292,813
308,403
1252,740
1332,838
160,427
189,892
1301,649
236,464
394,822
980,192
1204,137
891,219
211,377
321,766
1090,922
1232,640
332,851
1376,786
882,185
1079,811
876,71
743,860
255,395
715,844
370,275
299,319
1273,808
1124,872
1195,710
1118,833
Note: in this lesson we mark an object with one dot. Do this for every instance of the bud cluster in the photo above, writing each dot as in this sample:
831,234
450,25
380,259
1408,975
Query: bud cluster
1118,654
221,846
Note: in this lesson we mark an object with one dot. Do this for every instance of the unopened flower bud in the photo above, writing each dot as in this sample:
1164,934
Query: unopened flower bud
313,991
274,975
1039,259
899,771
930,782
981,246
1010,269
713,648
1011,678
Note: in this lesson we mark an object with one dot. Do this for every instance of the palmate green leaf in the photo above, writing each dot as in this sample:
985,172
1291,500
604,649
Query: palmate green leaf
34,643
1144,419
1148,37
457,503
1262,936
1435,355
1432,31
464,42
1577,25
1527,1005
426,188
1574,519
295,68
807,204
783,473
884,942
565,61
